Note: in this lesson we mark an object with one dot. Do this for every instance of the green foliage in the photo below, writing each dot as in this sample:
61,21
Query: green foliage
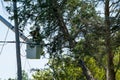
24,75
97,71
118,75
72,28
44,74
65,69
60,70
116,61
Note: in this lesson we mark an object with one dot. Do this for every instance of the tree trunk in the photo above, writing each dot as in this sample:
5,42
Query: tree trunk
67,36
110,66
86,71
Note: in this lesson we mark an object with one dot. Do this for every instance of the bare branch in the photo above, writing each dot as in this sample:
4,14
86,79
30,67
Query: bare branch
114,3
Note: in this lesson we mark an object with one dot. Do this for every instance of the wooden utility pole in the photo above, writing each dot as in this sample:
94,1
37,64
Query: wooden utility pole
19,70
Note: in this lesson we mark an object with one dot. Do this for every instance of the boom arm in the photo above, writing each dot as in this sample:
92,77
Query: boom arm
13,28
32,52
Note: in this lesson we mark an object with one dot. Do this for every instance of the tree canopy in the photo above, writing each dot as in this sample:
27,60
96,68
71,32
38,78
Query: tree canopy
80,42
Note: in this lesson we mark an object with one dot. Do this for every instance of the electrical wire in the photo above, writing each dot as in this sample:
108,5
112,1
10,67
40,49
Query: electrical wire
26,61
4,42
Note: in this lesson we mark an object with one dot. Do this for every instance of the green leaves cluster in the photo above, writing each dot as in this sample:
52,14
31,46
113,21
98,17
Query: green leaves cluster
43,75
73,28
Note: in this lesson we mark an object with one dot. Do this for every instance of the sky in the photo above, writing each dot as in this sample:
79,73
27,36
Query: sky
8,64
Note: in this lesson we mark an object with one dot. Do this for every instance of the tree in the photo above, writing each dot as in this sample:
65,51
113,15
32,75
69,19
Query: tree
73,28
44,74
109,50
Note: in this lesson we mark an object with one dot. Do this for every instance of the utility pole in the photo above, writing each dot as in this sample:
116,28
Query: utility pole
19,69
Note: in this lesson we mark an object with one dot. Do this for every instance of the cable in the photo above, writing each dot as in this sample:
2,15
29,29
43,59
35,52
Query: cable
22,49
4,42
26,61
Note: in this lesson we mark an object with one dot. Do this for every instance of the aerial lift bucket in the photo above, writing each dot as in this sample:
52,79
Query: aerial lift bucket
33,51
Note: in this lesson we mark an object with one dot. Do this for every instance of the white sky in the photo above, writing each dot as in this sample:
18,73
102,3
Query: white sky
8,65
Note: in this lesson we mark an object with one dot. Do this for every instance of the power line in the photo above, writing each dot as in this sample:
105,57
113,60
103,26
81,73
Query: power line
26,62
13,42
4,41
